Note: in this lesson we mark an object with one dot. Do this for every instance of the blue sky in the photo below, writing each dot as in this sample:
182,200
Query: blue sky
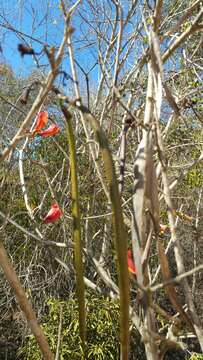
41,20
28,18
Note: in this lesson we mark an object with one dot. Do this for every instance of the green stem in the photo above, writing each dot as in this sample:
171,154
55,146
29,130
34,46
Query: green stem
80,287
120,235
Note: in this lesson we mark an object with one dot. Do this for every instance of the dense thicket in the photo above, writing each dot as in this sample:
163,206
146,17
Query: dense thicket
112,54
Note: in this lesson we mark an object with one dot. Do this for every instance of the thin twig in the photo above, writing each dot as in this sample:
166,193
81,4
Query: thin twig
177,279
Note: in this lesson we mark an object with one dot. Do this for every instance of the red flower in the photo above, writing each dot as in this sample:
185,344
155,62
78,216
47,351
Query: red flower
53,214
42,119
131,265
50,131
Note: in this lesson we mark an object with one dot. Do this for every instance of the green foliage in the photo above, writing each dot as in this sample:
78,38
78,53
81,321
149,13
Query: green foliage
195,177
196,356
102,330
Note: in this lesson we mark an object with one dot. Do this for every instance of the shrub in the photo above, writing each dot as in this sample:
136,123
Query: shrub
102,331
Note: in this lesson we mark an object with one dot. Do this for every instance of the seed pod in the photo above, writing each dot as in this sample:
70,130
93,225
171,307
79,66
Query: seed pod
25,50
25,95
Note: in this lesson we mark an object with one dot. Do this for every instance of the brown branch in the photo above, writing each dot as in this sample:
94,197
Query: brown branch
39,100
24,304
157,14
182,37
177,279
188,13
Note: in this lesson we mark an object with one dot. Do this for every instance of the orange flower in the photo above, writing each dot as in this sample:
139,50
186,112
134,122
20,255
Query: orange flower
131,265
54,214
42,119
50,131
